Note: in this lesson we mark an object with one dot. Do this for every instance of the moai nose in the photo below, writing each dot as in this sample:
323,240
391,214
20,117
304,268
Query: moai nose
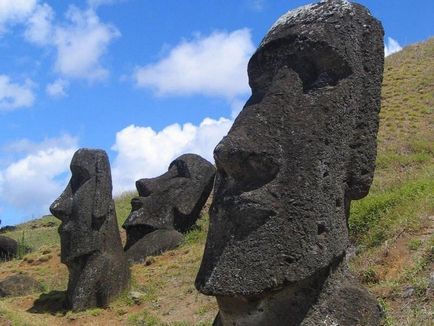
247,168
61,208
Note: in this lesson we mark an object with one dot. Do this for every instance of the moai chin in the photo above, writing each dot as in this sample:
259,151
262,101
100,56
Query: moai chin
91,246
167,206
302,148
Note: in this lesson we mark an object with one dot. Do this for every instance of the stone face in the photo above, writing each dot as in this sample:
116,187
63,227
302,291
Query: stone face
171,202
302,148
90,242
8,248
18,285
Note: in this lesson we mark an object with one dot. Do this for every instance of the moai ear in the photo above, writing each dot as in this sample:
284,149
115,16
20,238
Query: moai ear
103,190
364,144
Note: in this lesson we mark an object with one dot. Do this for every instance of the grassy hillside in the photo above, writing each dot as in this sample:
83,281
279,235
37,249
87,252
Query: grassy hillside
392,230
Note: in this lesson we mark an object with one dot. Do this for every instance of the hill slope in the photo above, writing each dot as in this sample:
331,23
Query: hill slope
392,230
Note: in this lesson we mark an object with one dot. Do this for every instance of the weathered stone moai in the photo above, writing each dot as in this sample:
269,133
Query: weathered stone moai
91,246
167,206
302,148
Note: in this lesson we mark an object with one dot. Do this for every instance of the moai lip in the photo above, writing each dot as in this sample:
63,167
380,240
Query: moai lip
301,149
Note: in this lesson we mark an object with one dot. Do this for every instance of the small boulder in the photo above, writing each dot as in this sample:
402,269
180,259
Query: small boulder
19,285
8,248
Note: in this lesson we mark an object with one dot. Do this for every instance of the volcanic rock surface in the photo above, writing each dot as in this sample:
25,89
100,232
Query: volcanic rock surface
301,149
167,206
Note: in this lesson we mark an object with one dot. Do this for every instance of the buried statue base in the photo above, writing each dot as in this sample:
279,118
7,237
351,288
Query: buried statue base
331,297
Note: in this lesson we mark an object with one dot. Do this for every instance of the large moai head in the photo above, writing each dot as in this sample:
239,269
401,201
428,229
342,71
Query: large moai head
172,201
84,205
301,149
91,246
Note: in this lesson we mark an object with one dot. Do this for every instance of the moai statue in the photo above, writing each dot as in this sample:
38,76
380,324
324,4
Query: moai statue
89,235
167,206
302,148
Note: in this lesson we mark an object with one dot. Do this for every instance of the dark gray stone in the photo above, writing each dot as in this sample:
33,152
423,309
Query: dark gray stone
302,148
90,241
170,202
8,248
153,244
19,285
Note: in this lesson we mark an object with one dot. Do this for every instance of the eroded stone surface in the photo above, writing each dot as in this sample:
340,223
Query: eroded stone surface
171,203
302,148
90,242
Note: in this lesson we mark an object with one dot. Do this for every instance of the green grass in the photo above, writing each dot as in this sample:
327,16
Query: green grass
123,206
383,214
37,233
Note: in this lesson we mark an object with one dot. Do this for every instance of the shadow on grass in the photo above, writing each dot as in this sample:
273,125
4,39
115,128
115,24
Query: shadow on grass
53,302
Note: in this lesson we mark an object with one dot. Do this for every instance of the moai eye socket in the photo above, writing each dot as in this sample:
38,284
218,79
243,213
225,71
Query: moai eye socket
317,64
248,170
182,168
79,177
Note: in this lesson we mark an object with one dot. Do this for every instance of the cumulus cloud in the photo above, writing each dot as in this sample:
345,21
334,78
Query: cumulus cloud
214,65
57,88
143,152
14,95
39,27
32,182
391,46
81,43
13,11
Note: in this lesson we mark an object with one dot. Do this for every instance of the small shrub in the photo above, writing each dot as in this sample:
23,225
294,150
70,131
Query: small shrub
369,276
23,247
143,319
414,244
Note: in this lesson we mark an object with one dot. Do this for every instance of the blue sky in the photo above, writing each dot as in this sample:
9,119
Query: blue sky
144,80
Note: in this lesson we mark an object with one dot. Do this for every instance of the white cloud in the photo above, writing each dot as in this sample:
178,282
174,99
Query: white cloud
39,25
97,3
57,88
81,43
143,152
27,146
14,95
213,65
13,11
391,46
257,5
31,183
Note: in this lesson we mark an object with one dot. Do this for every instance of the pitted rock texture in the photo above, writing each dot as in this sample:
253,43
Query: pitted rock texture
171,203
301,149
89,235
